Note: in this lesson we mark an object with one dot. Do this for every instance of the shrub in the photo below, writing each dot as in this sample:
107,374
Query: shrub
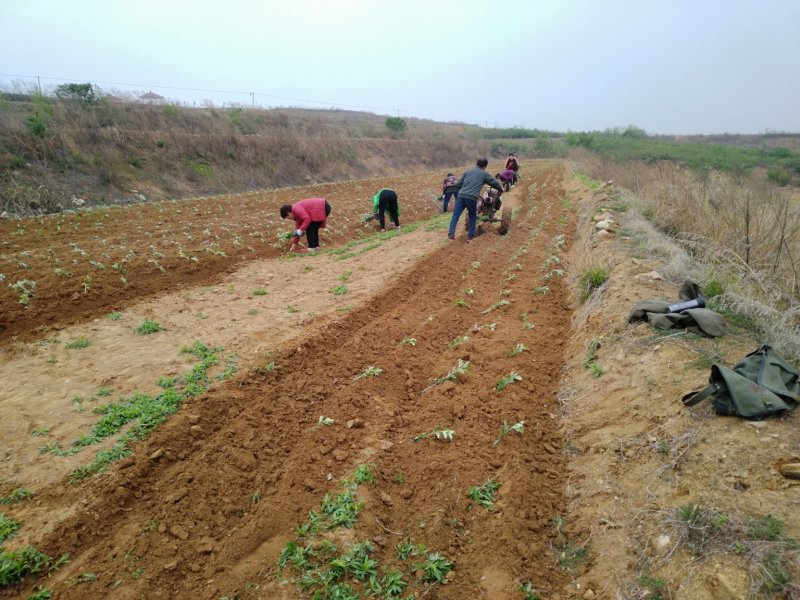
396,125
779,177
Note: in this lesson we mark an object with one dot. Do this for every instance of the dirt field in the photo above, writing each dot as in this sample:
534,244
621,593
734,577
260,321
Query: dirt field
320,439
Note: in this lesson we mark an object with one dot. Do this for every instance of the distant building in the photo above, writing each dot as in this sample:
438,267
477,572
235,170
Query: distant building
151,97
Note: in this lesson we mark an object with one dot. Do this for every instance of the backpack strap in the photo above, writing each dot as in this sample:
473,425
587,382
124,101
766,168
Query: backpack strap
693,398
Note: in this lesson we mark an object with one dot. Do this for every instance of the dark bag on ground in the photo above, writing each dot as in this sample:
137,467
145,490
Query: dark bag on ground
761,385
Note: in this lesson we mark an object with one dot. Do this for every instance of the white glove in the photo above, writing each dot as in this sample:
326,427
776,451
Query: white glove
299,233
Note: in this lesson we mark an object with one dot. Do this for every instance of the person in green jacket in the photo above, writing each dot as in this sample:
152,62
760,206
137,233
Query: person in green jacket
384,200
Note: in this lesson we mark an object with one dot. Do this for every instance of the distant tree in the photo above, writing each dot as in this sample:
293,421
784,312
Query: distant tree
634,132
580,138
396,125
85,92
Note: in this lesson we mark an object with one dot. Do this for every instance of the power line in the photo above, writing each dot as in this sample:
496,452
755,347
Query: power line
251,94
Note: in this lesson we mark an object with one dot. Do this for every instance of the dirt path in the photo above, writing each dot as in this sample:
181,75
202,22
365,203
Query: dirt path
212,496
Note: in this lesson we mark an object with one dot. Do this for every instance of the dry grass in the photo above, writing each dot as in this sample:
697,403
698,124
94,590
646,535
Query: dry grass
737,236
101,152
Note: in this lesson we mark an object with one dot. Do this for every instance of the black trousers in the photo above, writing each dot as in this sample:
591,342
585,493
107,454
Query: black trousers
313,229
388,201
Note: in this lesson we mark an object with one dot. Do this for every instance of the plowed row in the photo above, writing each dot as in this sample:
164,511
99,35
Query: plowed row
209,501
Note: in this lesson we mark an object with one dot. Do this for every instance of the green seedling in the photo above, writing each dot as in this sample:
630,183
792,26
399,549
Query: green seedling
78,344
439,434
458,341
81,578
407,549
16,564
292,309
409,341
16,495
147,327
339,290
528,593
541,290
503,303
518,349
435,568
484,494
505,429
370,371
8,527
461,368
507,380
40,431
260,292
363,474
26,288
476,265
325,421
114,316
460,303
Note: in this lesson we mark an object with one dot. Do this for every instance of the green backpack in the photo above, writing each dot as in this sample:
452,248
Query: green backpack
761,385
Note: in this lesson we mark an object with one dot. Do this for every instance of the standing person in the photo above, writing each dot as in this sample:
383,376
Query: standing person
449,190
511,162
469,188
384,200
309,217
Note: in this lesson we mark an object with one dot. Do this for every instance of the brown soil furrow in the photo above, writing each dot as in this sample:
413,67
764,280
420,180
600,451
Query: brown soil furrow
238,468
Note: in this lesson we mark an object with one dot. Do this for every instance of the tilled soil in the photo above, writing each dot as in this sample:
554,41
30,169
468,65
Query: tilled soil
210,499
348,388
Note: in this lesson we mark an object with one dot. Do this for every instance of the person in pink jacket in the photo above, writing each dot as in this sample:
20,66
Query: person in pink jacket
309,217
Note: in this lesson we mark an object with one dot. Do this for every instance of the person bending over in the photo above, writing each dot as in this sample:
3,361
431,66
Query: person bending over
309,217
386,200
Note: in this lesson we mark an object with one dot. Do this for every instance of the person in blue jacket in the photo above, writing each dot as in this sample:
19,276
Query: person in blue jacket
469,188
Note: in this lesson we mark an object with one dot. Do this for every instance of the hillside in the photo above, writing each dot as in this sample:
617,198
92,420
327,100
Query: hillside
54,151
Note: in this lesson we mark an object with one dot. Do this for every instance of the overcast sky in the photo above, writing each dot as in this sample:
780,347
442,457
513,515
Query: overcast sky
668,66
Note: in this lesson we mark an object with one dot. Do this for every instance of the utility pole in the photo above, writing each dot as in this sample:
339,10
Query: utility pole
39,84
253,96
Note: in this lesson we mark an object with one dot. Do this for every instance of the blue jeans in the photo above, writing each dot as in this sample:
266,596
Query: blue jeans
447,197
471,204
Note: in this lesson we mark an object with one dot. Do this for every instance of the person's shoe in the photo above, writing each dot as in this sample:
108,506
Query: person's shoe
451,239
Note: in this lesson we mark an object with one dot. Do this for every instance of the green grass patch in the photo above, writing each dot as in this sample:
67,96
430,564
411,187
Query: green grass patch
143,412
590,280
